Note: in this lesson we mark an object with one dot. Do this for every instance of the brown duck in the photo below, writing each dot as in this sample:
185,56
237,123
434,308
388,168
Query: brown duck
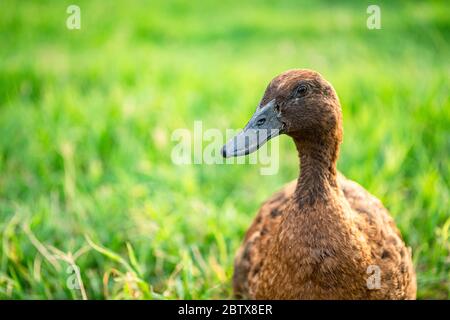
322,236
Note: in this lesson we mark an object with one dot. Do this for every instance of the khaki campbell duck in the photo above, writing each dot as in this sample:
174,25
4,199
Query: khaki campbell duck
322,236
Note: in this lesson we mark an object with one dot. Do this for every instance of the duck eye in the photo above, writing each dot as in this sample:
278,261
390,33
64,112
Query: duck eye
277,108
301,90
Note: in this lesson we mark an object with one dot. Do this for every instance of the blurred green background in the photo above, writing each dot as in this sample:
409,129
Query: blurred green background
86,117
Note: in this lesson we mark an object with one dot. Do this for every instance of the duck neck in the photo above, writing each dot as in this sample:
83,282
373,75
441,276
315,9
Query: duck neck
318,175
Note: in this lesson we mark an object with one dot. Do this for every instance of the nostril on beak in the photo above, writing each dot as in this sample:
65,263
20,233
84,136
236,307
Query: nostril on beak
260,122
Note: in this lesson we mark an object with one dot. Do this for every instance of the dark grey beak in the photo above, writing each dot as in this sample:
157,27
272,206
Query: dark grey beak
263,126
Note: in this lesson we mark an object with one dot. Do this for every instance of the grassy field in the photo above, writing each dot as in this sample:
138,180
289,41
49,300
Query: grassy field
86,118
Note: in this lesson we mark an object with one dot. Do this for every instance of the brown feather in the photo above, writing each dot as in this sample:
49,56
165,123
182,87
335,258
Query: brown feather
318,236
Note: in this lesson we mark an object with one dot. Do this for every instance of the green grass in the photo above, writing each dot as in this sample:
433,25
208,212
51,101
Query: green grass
86,118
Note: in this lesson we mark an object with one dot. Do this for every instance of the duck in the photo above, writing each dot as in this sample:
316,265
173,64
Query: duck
322,236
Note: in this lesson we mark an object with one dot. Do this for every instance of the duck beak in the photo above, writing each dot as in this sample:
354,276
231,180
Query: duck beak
263,126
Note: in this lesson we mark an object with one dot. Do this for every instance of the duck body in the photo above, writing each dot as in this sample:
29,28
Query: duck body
322,236
289,254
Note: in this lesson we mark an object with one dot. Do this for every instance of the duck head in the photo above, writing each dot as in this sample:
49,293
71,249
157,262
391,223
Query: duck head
299,103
